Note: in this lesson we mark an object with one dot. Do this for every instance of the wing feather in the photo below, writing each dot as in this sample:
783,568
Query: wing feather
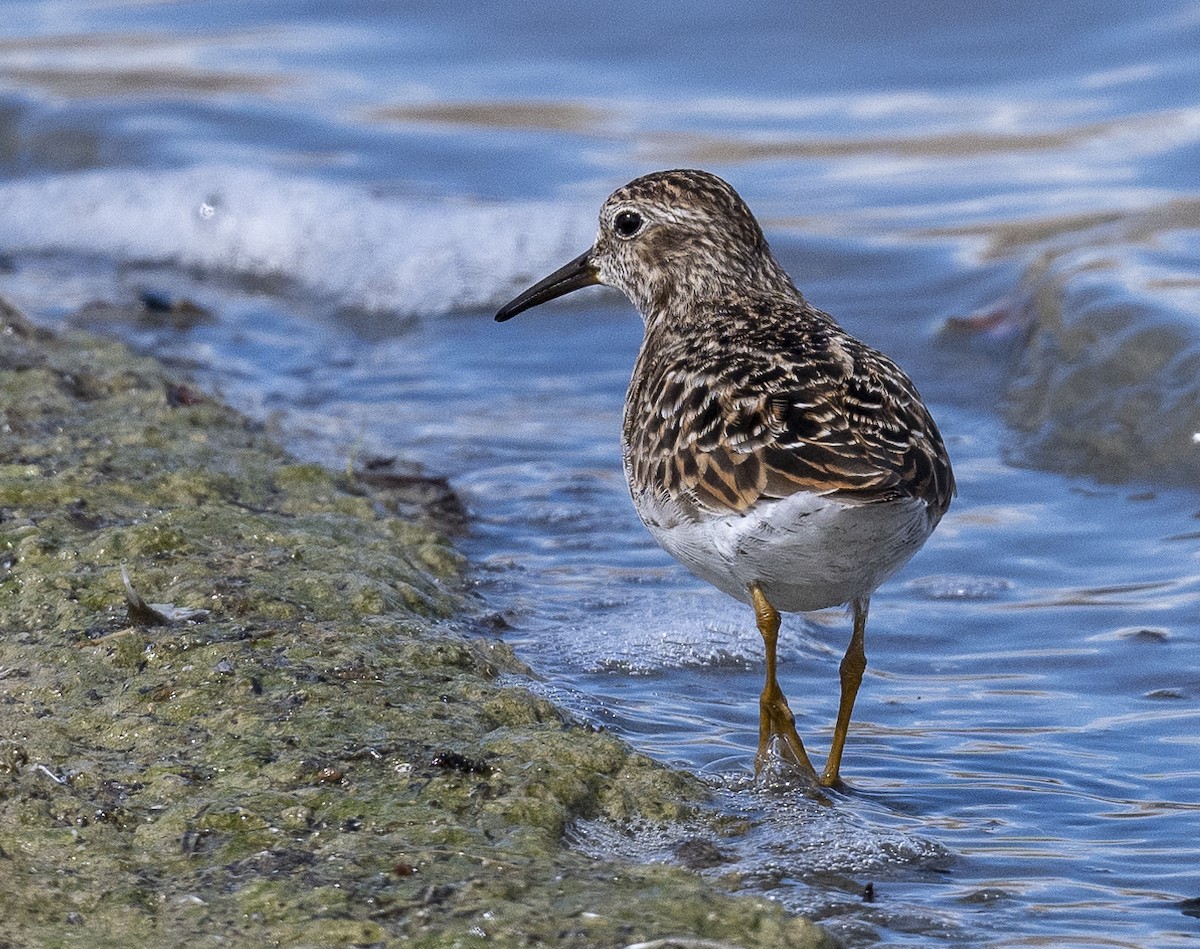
744,408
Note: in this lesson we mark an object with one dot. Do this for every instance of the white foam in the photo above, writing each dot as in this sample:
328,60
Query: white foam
398,254
700,628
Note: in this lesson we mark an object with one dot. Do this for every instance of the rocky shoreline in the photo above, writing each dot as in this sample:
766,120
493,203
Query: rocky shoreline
284,731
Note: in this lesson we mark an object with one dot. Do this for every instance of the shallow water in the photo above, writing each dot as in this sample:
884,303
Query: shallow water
352,191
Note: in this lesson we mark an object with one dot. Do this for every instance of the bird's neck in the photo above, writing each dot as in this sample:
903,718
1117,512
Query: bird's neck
687,304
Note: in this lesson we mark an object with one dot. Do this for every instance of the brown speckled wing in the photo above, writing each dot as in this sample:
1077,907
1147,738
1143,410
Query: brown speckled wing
722,416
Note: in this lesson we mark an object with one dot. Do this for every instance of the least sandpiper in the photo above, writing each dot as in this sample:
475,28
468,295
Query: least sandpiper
770,452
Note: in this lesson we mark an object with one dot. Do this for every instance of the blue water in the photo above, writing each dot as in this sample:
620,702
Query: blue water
353,188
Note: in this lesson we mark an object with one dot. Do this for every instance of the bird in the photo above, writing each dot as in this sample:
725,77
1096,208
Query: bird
773,454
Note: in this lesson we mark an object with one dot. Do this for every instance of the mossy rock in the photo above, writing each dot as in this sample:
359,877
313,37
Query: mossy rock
329,758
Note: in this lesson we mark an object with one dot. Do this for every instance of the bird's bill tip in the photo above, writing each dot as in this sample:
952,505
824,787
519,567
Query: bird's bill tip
580,272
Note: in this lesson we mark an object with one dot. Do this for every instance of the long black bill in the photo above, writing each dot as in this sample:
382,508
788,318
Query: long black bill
580,272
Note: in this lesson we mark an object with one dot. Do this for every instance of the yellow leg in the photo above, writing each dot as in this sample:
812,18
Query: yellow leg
851,672
775,719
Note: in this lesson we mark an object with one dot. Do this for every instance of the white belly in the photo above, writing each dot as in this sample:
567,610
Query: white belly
807,551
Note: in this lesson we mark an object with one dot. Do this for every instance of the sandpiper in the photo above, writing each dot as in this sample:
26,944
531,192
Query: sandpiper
770,452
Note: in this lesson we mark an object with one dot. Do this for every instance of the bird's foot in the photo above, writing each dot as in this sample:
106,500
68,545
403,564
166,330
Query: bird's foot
833,781
777,735
778,769
778,759
781,756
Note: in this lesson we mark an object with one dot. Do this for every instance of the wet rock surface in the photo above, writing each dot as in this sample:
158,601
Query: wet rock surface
303,742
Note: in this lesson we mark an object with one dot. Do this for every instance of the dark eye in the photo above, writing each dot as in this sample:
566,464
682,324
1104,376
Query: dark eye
627,223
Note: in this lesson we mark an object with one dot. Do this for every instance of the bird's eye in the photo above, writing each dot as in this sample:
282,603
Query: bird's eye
627,223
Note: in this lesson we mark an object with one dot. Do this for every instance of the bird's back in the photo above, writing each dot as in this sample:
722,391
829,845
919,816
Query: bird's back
768,396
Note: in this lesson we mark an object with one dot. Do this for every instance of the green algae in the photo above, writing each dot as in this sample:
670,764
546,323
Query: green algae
325,761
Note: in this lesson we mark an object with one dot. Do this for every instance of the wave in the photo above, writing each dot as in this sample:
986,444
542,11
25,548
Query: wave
385,253
1109,305
1108,380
